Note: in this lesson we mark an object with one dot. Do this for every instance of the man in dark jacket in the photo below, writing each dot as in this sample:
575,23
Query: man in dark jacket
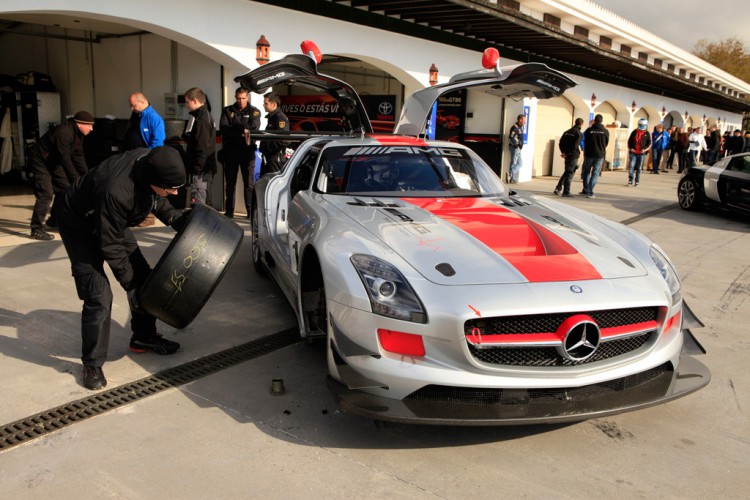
735,144
238,149
570,149
274,151
94,216
713,142
595,140
515,144
639,144
200,158
55,162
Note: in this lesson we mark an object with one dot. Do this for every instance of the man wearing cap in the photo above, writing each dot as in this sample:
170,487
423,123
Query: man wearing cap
94,216
639,143
54,163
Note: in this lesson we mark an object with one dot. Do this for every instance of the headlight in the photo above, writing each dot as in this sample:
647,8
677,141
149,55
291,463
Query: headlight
667,272
390,294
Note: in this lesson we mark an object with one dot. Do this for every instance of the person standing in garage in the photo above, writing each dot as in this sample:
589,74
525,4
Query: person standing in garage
146,129
94,216
570,149
238,149
274,151
55,162
515,143
200,158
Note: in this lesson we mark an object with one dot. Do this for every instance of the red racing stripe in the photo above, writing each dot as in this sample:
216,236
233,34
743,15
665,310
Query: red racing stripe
397,140
535,251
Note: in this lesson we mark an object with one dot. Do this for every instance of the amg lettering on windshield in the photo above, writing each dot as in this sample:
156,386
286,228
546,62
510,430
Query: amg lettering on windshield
388,150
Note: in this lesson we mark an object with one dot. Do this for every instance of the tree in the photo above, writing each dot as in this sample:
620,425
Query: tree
728,54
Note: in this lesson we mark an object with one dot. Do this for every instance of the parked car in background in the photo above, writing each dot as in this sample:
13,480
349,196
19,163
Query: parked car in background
724,184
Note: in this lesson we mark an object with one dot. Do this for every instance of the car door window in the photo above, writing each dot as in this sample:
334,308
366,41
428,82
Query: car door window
303,173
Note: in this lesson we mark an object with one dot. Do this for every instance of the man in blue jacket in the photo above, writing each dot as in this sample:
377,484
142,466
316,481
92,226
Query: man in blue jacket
660,140
146,128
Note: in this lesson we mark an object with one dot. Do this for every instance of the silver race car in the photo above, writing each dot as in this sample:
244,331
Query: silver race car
443,296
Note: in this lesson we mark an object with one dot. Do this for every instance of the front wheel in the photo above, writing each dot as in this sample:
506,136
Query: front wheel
689,194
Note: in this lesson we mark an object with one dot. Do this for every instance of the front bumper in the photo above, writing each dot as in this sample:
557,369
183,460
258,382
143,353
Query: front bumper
449,406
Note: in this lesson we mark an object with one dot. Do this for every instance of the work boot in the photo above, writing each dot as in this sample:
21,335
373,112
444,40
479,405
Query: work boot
93,377
41,234
153,342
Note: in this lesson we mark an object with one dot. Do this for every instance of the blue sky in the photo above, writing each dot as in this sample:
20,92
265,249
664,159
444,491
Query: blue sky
684,22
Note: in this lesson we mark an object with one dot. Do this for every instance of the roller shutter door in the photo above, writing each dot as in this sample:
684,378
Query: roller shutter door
554,116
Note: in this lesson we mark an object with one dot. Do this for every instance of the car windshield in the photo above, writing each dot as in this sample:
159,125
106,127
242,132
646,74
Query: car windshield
422,171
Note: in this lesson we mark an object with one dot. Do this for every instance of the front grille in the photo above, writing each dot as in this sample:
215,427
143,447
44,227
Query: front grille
548,356
548,323
467,395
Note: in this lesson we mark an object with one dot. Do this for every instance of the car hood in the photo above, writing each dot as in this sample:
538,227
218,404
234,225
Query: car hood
462,241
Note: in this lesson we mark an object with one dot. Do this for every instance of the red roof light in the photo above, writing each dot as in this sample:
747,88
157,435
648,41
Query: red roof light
310,48
490,57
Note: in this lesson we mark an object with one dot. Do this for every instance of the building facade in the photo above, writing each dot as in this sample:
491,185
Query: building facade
98,53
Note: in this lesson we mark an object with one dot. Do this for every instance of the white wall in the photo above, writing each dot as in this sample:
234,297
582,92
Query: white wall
212,34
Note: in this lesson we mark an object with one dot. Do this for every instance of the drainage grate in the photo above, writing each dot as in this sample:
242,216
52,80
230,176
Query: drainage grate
48,421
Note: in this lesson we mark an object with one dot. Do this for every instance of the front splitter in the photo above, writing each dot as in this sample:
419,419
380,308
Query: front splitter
691,376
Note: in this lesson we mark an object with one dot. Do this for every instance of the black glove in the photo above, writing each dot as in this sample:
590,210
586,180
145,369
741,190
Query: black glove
133,300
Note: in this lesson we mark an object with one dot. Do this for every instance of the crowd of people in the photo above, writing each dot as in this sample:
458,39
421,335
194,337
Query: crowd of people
657,149
94,208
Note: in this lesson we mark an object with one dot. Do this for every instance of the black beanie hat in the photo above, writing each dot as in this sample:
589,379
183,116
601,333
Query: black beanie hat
164,168
84,117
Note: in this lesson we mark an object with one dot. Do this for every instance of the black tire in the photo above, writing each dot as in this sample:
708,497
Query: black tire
255,246
191,267
689,194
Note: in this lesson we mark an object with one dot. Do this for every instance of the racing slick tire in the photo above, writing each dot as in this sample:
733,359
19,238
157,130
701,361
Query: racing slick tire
689,194
191,267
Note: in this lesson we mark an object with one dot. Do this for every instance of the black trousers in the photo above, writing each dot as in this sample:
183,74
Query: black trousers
47,183
92,286
238,160
670,160
571,165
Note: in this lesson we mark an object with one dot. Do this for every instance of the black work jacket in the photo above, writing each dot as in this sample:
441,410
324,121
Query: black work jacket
107,200
595,140
201,145
570,142
63,145
233,123
278,122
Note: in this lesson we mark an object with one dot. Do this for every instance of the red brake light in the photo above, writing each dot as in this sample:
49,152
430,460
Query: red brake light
490,57
311,49
407,344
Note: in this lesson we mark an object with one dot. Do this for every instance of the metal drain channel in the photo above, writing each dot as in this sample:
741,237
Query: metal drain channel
52,420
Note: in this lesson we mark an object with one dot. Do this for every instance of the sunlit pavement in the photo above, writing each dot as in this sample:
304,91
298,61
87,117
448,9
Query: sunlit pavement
226,435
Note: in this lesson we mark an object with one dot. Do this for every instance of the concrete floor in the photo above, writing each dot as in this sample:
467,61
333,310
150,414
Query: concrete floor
226,436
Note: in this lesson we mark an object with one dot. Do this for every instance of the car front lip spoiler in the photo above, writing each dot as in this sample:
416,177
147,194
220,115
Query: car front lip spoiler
691,376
